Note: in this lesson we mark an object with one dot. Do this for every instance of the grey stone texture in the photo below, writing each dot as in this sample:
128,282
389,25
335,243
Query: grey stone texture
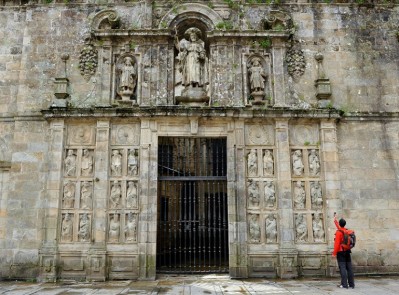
48,107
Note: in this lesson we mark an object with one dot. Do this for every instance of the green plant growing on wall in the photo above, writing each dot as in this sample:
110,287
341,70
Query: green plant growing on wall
232,4
265,43
132,46
306,143
164,25
225,25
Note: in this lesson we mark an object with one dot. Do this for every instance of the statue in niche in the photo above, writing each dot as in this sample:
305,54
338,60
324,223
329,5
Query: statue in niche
66,228
114,228
318,231
131,228
132,163
268,163
70,163
271,229
252,163
127,78
69,195
314,163
84,228
257,78
116,163
299,195
192,63
301,228
297,164
316,195
253,194
270,194
116,193
254,229
86,195
131,195
87,163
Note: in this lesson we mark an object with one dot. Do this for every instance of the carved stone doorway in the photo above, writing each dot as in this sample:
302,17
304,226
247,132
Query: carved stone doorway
192,231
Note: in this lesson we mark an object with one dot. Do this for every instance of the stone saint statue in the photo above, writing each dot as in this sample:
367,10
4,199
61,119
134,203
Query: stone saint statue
297,164
116,163
299,195
128,78
253,194
87,163
271,229
314,163
316,195
86,195
270,197
301,228
69,195
318,231
131,195
66,228
70,164
84,228
252,163
268,163
114,228
254,229
131,228
132,163
257,76
116,193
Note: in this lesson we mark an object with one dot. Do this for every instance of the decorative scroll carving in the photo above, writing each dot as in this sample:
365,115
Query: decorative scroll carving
84,228
297,163
131,228
318,231
116,193
87,163
86,195
67,228
316,195
106,19
268,163
88,59
70,163
278,21
271,228
116,163
114,229
301,228
270,194
69,195
254,228
253,194
314,163
299,195
253,163
131,195
132,162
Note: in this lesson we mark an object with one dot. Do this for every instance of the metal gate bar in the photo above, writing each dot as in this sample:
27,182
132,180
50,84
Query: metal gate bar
192,205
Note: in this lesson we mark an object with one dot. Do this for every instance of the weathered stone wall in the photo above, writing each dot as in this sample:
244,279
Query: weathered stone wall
360,49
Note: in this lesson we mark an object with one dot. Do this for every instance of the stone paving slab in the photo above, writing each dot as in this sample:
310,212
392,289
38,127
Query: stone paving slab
204,285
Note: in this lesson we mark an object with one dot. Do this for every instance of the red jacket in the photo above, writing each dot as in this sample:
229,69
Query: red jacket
339,237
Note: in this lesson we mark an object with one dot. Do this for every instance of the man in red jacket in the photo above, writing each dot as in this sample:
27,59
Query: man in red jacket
343,257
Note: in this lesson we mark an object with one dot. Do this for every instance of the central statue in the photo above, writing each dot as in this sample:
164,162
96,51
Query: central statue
193,66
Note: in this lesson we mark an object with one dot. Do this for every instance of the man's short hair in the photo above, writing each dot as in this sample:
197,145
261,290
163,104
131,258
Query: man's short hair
342,222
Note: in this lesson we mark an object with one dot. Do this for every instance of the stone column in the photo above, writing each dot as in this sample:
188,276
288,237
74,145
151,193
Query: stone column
96,269
330,173
148,202
238,256
287,266
51,205
278,56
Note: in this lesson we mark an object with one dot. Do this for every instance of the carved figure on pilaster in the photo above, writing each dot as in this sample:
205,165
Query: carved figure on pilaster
257,78
116,163
271,228
86,193
116,193
253,194
268,163
318,231
131,195
299,195
88,59
314,163
301,228
132,163
316,195
69,195
87,163
297,163
84,228
70,163
127,71
270,194
254,228
253,163
131,228
114,229
67,228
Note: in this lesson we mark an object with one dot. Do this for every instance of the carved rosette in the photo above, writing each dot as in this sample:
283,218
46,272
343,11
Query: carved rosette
88,60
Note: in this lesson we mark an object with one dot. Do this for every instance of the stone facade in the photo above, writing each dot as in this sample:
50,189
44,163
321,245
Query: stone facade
306,95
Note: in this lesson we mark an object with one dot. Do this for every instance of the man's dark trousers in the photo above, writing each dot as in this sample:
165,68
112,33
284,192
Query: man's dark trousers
345,268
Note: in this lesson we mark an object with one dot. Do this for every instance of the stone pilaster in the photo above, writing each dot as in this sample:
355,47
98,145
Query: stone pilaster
278,56
287,266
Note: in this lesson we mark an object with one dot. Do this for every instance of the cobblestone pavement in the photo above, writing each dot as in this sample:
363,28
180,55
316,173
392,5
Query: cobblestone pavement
206,284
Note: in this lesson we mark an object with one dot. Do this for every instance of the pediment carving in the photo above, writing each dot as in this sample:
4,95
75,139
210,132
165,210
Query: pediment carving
277,20
106,19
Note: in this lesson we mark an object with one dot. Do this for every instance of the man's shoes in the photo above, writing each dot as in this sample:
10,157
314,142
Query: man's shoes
340,286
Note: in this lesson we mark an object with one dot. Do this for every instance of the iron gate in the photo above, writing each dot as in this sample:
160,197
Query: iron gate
192,231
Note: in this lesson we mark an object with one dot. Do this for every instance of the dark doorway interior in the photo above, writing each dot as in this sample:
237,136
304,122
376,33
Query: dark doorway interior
192,233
